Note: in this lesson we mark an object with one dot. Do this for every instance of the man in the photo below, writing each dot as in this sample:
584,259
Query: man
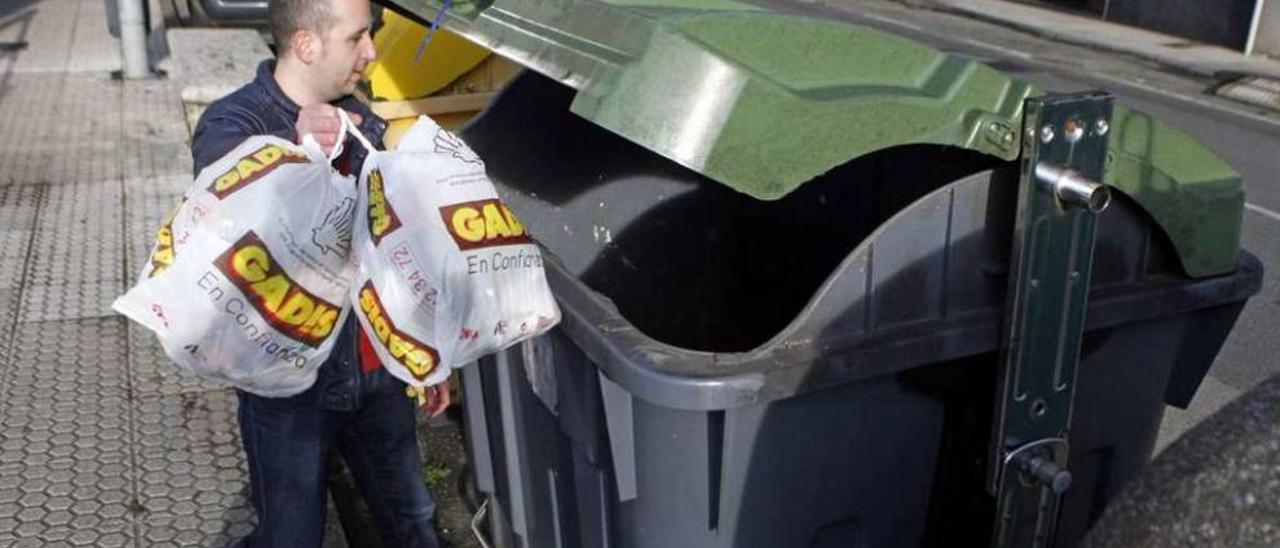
355,405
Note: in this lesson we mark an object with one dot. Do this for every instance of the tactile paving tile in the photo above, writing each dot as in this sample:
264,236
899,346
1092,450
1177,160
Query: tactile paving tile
13,257
68,301
154,374
84,145
18,207
192,469
190,421
234,523
203,528
66,470
26,130
148,202
8,314
154,131
66,361
77,235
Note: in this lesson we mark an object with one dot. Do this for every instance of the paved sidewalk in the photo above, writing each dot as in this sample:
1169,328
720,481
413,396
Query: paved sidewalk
102,441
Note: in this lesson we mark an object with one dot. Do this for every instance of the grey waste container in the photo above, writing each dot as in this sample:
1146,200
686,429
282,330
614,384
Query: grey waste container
816,371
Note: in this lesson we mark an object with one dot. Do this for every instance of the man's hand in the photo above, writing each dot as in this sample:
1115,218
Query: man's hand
437,399
433,399
321,121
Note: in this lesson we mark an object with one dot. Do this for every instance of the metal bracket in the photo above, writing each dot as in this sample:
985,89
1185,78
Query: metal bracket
1064,154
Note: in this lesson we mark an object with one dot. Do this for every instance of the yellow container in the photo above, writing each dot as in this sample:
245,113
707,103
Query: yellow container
452,106
454,81
397,75
449,111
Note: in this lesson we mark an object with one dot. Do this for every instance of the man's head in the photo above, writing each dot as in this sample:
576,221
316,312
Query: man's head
328,40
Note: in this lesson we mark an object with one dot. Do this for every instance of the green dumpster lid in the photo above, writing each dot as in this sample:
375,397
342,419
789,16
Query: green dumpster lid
763,102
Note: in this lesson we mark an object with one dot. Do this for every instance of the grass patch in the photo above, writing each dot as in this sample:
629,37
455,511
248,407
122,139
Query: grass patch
436,474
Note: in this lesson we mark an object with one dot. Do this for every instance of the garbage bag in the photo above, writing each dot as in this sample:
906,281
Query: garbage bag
445,272
249,276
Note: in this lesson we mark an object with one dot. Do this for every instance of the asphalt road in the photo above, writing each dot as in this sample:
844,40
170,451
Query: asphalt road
1252,353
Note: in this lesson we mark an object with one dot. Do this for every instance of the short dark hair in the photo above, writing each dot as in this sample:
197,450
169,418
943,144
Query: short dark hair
285,17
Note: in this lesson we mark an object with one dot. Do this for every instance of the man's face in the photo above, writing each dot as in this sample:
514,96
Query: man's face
345,50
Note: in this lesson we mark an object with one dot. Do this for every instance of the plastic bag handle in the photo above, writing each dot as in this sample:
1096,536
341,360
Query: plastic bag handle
349,127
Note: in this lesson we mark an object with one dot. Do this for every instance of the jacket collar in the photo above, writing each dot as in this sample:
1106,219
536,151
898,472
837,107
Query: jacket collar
267,79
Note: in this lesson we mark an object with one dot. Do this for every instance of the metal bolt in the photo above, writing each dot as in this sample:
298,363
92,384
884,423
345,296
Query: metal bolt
1047,134
1046,472
1035,283
1073,188
1075,275
1073,130
1102,126
1039,408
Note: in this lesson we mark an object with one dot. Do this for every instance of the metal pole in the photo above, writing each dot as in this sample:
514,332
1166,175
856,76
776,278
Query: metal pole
133,40
1252,40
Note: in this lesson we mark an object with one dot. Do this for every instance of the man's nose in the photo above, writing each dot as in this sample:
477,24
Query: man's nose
370,52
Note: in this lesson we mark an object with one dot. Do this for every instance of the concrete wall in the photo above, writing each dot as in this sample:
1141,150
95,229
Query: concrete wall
1268,39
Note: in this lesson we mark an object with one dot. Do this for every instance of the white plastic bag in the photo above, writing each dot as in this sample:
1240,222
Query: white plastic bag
445,273
249,277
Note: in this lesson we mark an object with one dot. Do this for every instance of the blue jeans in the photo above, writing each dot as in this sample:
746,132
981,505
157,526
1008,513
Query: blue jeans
369,419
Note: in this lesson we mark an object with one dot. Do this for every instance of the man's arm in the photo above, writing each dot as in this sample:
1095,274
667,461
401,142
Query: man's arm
222,129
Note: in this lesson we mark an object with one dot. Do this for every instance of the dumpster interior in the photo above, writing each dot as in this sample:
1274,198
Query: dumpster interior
689,261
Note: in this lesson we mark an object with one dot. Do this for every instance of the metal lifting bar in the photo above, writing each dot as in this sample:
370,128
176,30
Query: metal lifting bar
1064,155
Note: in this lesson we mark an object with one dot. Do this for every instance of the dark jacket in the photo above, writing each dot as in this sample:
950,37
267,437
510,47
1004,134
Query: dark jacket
262,108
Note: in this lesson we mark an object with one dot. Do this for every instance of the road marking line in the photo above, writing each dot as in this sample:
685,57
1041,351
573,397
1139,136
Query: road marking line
1263,211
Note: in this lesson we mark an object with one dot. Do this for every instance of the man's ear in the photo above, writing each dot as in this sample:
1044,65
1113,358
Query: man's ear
305,45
